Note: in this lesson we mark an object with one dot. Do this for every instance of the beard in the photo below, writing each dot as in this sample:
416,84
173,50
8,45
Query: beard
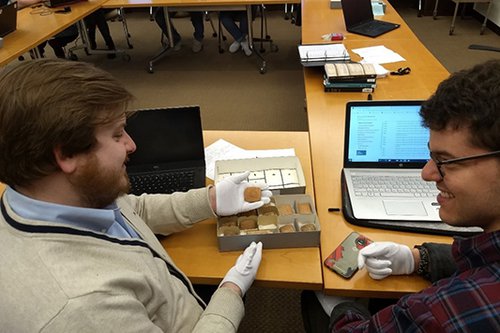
98,186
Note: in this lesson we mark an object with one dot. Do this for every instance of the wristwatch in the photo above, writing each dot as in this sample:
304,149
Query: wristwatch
423,266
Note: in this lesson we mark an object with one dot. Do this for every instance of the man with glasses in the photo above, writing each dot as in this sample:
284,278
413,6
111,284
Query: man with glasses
464,121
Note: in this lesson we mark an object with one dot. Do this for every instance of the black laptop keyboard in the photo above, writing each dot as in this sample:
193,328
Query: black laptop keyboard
167,182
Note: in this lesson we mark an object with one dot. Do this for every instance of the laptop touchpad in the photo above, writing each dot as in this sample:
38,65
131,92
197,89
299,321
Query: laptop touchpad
409,208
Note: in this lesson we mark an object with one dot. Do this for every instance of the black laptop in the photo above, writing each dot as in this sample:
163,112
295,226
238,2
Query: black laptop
8,19
170,155
358,16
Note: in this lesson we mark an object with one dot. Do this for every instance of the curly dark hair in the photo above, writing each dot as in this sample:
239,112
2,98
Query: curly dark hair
468,99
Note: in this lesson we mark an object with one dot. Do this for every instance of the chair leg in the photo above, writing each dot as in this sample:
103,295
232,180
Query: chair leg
209,19
121,16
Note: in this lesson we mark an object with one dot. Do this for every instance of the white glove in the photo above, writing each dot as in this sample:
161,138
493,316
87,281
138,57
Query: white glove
243,273
386,258
229,195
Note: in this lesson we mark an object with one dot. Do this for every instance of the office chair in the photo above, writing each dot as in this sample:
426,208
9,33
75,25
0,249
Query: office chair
113,15
118,14
264,36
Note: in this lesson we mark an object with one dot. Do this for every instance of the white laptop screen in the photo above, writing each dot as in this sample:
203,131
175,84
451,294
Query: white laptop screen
385,134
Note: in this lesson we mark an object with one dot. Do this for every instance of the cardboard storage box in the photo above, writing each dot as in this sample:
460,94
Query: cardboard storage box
289,221
284,175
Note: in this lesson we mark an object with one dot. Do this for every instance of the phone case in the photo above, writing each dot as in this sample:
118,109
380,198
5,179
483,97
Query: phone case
344,259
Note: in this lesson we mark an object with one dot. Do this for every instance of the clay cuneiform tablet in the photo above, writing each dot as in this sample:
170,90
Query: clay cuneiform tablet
287,228
252,194
229,231
228,221
248,224
304,208
285,209
308,227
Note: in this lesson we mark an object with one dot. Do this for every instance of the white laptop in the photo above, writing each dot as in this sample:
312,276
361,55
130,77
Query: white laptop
385,150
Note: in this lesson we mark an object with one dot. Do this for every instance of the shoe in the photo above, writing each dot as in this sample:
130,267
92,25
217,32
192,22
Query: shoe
111,47
177,45
197,46
246,47
234,47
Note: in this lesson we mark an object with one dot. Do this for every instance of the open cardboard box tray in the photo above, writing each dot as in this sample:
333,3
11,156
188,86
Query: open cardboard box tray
231,238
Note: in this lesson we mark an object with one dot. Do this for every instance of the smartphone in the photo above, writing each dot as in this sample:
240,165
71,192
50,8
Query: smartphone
344,259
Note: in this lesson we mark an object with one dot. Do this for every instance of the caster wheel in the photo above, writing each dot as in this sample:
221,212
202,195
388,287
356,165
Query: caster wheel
263,70
451,32
482,31
73,57
150,69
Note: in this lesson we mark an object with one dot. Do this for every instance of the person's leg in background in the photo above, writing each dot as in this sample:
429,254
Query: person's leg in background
314,317
239,33
62,39
199,29
91,24
100,20
160,21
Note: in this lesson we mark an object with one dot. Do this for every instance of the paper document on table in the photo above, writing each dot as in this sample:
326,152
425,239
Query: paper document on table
223,150
378,55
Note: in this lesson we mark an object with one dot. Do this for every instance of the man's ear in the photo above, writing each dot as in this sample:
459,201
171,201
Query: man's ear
67,164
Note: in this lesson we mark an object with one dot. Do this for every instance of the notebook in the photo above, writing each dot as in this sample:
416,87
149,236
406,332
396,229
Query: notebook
8,19
170,154
358,17
385,149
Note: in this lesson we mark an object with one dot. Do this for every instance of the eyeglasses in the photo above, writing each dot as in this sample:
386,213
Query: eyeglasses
439,164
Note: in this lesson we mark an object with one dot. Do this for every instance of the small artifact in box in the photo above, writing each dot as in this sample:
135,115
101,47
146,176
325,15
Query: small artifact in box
288,221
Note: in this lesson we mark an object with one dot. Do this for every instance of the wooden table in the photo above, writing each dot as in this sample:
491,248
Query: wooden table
326,112
195,251
33,28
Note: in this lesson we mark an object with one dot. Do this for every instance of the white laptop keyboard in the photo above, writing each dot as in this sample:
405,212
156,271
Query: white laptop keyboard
390,186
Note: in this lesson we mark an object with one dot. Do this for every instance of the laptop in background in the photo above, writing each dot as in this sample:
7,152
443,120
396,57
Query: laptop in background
170,154
385,149
358,17
8,19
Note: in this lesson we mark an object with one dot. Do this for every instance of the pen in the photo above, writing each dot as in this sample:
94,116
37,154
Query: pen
334,209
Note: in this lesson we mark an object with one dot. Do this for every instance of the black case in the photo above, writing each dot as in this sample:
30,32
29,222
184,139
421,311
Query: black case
435,228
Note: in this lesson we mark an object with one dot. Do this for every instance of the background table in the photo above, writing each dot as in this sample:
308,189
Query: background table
33,28
326,115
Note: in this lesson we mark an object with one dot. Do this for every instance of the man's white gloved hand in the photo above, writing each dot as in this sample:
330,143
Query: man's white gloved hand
243,273
386,258
229,194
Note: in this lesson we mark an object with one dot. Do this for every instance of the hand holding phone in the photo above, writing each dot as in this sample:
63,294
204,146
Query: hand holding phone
344,259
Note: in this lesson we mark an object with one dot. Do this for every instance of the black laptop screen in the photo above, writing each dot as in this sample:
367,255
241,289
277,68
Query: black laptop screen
356,12
385,134
165,136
